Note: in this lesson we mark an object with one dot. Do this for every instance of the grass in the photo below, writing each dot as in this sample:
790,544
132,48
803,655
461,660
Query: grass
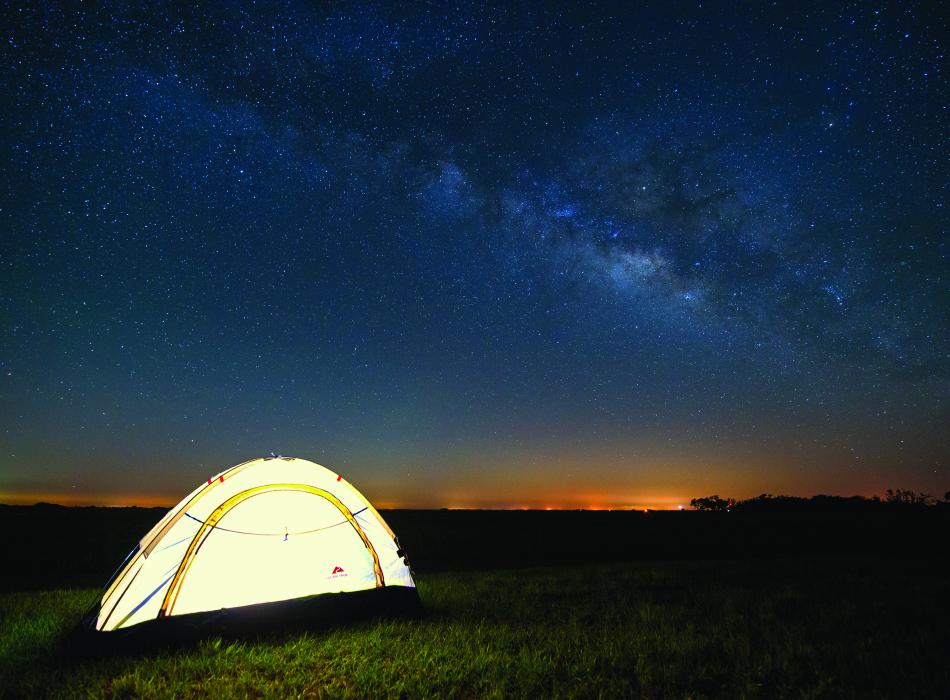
753,629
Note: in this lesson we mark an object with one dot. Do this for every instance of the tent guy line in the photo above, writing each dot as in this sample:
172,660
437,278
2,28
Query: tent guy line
267,534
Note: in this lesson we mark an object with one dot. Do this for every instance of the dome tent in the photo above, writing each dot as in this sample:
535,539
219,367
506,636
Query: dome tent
271,539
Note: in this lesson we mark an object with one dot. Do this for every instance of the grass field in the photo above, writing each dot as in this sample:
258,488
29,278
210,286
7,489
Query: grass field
799,628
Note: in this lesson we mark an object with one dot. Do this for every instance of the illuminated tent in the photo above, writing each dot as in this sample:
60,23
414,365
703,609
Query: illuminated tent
270,539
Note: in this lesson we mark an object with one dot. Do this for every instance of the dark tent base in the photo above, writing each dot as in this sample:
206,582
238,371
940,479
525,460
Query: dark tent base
301,614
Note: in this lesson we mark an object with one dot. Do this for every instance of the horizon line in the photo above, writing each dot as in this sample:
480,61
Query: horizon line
382,506
593,504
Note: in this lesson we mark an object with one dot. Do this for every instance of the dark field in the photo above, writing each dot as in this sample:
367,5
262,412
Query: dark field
537,604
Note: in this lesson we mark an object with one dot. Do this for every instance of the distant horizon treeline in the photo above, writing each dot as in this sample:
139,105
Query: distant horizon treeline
767,502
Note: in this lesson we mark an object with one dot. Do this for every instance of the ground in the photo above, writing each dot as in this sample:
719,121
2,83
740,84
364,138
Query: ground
794,627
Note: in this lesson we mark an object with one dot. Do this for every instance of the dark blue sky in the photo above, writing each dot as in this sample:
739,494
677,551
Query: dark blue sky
475,255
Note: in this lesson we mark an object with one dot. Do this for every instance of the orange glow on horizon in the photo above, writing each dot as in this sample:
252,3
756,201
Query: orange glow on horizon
499,489
535,477
79,499
153,501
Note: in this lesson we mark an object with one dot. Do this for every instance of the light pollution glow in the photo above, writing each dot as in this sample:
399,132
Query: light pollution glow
453,500
536,479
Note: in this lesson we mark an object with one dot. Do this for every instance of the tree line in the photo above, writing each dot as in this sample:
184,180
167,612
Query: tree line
892,498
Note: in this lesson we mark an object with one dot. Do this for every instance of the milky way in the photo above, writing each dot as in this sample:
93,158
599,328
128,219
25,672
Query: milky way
633,255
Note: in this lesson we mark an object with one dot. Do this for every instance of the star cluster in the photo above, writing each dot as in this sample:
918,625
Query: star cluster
584,255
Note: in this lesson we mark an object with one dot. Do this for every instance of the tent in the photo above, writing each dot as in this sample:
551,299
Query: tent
271,539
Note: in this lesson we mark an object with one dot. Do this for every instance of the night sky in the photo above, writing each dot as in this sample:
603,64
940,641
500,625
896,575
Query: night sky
466,256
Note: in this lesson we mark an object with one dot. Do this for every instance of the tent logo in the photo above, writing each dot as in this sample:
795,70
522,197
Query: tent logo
337,570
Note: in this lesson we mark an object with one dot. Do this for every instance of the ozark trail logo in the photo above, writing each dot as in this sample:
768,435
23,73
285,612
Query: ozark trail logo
338,571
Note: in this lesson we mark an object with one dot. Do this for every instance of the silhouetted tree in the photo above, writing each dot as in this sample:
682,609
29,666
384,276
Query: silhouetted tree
768,503
906,497
712,503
